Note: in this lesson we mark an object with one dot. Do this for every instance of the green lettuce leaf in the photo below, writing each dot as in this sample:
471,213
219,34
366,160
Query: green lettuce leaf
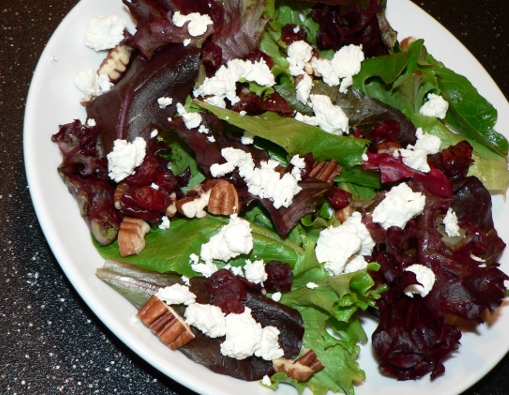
296,137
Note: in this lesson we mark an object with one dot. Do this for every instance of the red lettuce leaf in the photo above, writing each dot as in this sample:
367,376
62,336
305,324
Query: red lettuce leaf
130,108
85,172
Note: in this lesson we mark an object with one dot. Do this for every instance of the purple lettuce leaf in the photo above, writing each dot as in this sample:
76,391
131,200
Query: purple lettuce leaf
414,335
85,172
130,108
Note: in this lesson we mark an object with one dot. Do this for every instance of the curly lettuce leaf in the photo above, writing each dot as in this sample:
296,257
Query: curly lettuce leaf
403,80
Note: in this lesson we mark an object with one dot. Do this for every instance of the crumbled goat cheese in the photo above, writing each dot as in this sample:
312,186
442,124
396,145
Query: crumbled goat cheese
247,138
206,269
185,280
203,129
356,263
165,223
304,88
92,84
436,106
125,157
255,271
266,381
416,156
208,318
192,120
198,23
399,206
299,53
276,296
347,61
176,294
329,117
237,270
451,223
105,32
311,285
336,245
222,85
91,122
246,337
269,348
299,164
424,276
154,133
164,102
233,239
263,181
341,68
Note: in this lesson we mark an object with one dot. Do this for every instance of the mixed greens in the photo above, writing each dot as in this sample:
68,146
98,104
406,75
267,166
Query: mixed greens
382,104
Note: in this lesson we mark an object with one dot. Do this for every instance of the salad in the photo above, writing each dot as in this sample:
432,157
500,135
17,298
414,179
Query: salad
342,182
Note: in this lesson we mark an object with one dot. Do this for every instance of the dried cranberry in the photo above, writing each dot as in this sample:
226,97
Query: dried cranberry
388,129
279,277
226,291
211,57
291,33
338,198
255,105
256,55
454,161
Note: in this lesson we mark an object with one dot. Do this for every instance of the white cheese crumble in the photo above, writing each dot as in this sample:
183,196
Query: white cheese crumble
246,337
125,157
232,240
192,120
298,54
336,245
436,106
452,228
164,102
356,263
311,285
255,271
399,206
276,296
198,23
328,117
266,381
92,84
263,181
208,318
222,85
206,269
165,223
416,156
304,88
176,294
105,32
340,70
247,138
424,276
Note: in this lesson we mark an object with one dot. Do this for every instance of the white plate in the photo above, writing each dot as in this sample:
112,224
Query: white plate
53,100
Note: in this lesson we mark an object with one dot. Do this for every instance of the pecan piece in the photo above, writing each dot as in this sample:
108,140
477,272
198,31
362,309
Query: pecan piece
131,236
116,62
301,369
218,196
166,323
223,198
325,171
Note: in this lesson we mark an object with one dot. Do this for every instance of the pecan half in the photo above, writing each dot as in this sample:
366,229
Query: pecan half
167,324
116,62
302,368
223,198
218,196
325,171
131,236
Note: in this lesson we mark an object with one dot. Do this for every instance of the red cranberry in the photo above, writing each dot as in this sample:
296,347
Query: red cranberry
226,291
279,277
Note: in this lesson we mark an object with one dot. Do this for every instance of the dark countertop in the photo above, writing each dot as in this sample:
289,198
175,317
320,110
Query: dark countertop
50,341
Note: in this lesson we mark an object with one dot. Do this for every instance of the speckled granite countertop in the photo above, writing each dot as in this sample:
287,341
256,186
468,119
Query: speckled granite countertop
50,341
